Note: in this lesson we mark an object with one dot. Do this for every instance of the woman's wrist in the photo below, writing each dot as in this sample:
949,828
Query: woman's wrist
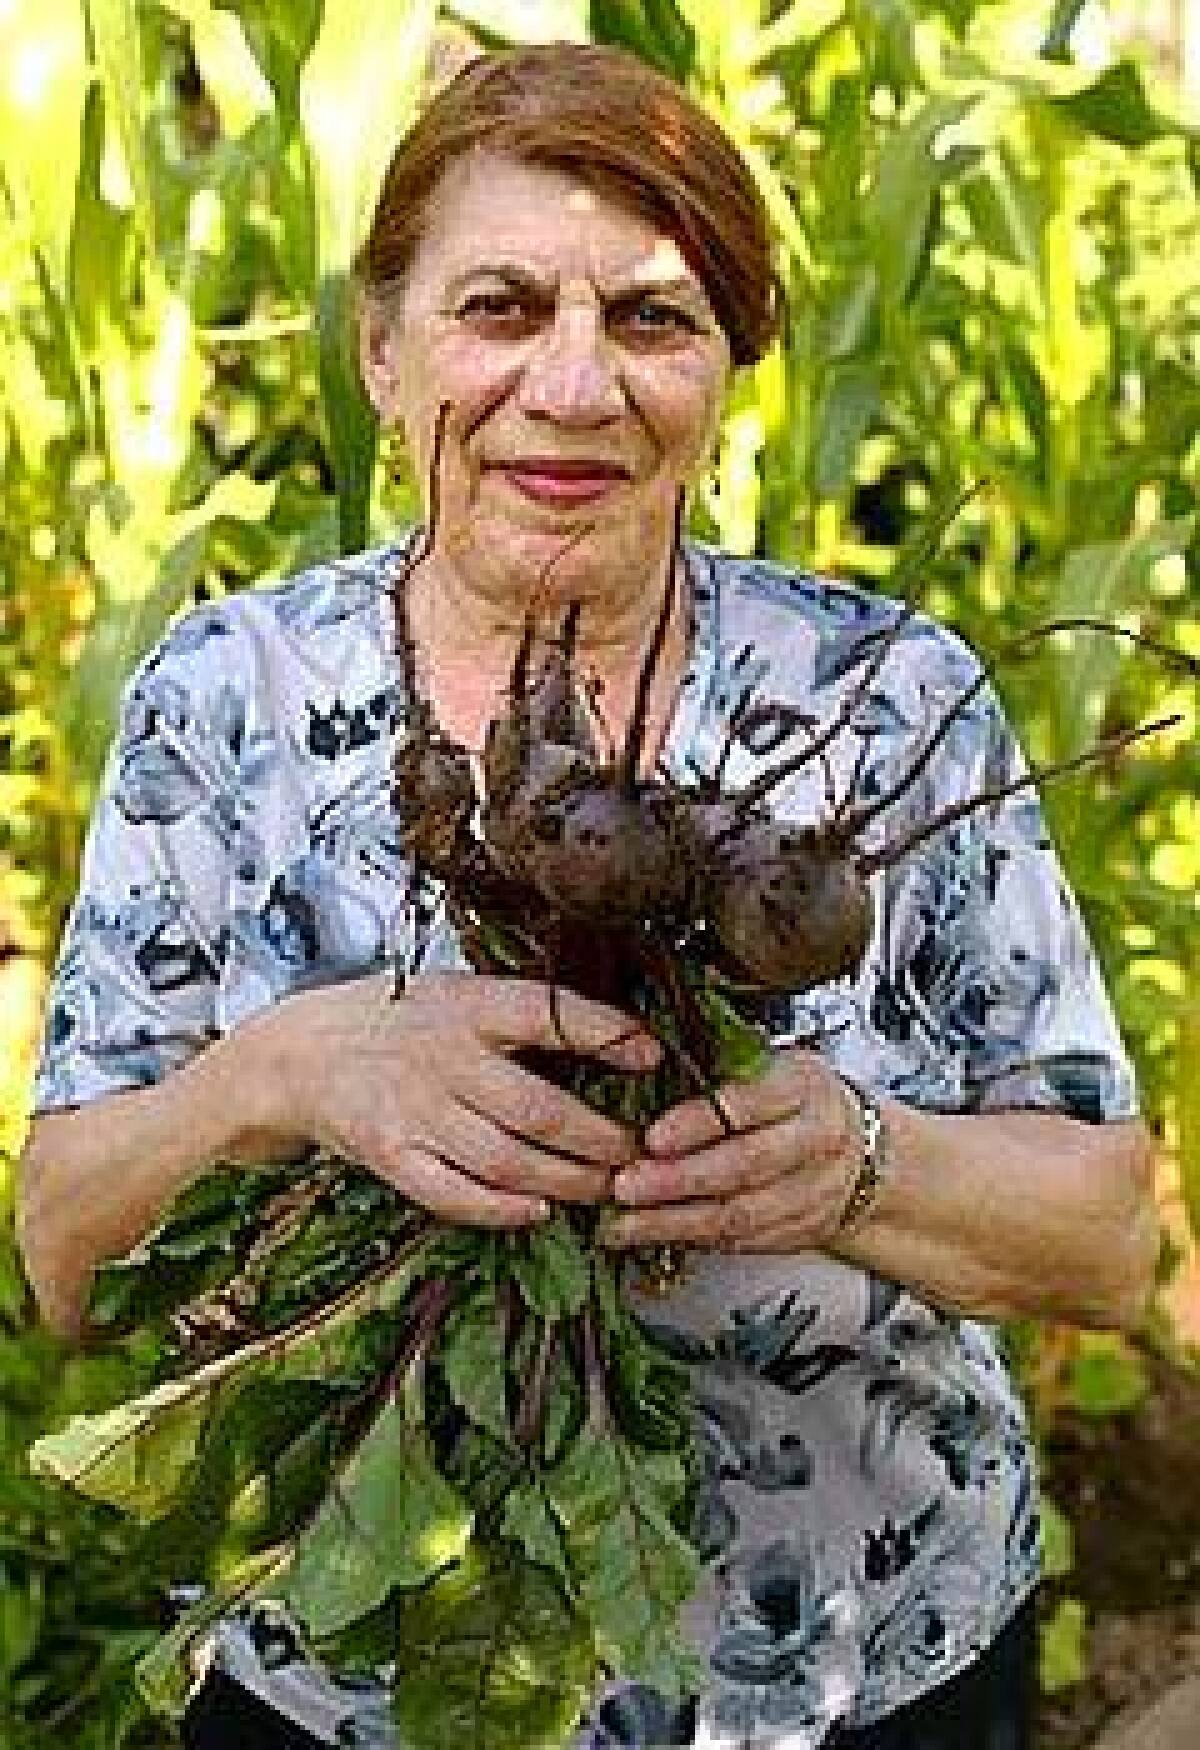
255,1091
872,1165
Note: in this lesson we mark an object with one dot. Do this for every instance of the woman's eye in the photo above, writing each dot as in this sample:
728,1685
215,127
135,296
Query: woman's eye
497,307
654,316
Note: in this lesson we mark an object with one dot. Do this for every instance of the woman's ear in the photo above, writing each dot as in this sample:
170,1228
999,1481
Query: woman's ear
378,356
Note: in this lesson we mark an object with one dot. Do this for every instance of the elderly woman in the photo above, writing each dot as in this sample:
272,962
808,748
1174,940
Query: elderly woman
571,258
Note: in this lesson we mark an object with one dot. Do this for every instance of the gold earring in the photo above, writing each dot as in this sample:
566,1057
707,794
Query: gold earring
393,454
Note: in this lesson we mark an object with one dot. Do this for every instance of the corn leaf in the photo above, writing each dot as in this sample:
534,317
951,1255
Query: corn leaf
657,30
524,21
378,51
118,50
226,64
44,79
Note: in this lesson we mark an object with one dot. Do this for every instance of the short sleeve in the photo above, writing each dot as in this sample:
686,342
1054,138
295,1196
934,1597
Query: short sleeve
1013,999
133,993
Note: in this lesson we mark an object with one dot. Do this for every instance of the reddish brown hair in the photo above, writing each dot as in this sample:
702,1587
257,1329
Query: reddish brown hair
627,132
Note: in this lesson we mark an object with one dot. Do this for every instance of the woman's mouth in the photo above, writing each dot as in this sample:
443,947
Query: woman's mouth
554,482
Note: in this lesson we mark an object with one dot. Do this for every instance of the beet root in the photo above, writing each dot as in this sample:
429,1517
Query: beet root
591,852
788,905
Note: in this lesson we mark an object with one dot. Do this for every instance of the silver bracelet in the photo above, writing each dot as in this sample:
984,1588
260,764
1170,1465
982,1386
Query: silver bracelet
872,1168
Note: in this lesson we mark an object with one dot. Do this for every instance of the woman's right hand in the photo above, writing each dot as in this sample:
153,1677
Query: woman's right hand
422,1089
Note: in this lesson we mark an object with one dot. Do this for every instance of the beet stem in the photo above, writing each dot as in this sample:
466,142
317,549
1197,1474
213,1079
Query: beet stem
762,787
888,855
736,719
631,757
1015,648
598,1415
860,761
532,1409
661,968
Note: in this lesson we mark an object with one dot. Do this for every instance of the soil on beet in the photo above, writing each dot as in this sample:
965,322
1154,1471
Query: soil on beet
1129,1486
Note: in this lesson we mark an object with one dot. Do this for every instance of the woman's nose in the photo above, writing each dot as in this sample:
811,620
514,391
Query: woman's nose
572,374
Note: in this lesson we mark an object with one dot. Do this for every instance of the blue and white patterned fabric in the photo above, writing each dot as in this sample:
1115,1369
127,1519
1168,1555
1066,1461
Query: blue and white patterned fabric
870,1515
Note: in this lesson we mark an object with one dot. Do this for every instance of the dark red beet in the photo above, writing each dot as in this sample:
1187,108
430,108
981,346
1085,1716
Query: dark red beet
788,905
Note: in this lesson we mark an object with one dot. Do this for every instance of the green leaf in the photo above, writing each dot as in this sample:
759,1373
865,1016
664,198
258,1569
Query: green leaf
138,1455
390,1519
118,49
851,401
471,1353
1063,1656
22,1613
853,315
528,1519
1115,107
491,1656
899,205
743,1051
1107,1377
523,21
164,1675
656,30
631,1568
1101,580
349,416
131,1460
44,80
377,51
563,1406
552,1269
1058,1541
1098,579
226,64
650,1392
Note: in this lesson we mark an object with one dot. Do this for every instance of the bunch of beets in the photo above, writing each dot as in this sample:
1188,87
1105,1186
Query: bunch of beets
456,1457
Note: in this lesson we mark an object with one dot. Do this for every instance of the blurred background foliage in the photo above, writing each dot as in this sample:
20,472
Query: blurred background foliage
990,236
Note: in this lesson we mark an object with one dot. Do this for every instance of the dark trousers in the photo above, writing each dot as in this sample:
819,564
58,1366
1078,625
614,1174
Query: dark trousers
989,1706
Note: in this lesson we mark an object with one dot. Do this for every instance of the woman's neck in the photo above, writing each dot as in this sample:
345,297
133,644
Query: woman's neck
464,649
447,609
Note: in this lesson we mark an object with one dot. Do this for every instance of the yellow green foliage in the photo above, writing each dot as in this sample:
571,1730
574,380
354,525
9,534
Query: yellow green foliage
992,259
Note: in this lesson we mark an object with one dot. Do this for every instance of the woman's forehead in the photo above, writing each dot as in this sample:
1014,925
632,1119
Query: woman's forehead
492,211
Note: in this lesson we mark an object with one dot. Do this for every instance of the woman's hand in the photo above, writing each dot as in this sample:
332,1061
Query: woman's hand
422,1090
779,1184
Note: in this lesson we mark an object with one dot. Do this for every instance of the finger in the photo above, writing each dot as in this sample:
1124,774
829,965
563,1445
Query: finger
737,1224
438,1185
524,1011
740,1163
495,1157
793,1082
529,1106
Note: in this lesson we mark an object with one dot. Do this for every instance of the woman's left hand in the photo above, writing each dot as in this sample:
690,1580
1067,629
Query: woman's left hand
780,1183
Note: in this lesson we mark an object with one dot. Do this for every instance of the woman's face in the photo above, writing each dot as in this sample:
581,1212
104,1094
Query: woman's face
584,370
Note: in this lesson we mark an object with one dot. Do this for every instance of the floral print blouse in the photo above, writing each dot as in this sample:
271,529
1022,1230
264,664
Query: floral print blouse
869,1517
